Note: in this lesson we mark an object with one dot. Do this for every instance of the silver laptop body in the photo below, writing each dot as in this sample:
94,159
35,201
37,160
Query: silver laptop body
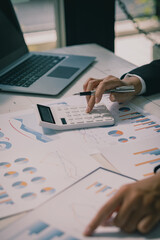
21,70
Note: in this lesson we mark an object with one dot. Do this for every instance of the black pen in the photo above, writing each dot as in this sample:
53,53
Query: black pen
123,89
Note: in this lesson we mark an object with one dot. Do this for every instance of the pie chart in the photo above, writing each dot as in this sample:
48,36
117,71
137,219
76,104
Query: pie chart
48,190
5,145
115,133
29,170
132,137
123,140
38,179
5,165
11,174
1,134
21,160
29,196
19,185
124,109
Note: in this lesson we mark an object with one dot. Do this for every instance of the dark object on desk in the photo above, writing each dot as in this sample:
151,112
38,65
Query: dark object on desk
37,73
157,169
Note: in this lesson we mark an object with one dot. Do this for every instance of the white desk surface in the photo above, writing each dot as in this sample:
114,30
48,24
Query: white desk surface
106,64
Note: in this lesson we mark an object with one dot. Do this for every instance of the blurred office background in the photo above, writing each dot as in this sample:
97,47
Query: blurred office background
39,20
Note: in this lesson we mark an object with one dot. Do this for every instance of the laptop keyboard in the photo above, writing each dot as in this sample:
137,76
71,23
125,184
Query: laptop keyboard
30,70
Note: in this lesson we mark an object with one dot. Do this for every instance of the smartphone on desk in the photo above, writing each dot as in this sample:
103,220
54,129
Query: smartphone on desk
64,117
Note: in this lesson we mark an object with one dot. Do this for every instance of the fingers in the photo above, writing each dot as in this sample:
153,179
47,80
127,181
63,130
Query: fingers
128,207
132,220
91,84
121,97
101,85
108,83
138,206
104,213
147,223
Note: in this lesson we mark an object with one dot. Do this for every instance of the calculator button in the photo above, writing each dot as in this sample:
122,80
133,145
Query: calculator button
70,119
75,110
80,121
63,120
107,119
76,115
106,115
96,116
70,122
88,117
98,120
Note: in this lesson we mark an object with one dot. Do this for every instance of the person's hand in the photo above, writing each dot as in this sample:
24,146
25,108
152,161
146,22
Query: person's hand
110,82
137,206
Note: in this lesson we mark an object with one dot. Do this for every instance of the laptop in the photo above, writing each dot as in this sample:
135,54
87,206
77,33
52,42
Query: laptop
32,72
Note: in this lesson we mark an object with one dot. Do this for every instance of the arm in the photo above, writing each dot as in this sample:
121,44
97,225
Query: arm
138,207
149,73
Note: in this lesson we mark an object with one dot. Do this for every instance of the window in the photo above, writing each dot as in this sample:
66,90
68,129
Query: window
37,20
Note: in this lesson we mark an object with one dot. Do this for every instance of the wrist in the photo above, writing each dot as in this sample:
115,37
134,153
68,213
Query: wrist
135,81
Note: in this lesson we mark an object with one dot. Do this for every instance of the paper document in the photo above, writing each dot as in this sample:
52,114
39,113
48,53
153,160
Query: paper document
66,216
138,159
131,124
35,166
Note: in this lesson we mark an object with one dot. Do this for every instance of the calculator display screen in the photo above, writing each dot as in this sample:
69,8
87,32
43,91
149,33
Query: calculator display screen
45,114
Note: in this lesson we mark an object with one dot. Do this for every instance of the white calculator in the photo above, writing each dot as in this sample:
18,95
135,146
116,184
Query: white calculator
64,117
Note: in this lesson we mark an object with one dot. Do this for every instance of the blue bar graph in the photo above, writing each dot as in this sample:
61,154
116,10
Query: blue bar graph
153,152
143,120
54,233
37,228
3,195
106,188
158,161
136,117
98,185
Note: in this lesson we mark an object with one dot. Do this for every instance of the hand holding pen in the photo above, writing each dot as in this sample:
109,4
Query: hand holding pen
122,89
118,89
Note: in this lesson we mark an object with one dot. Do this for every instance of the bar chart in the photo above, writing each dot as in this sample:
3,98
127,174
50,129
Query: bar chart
99,188
4,197
138,159
152,152
41,230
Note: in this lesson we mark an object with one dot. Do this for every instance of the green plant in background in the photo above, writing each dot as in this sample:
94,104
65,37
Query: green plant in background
151,3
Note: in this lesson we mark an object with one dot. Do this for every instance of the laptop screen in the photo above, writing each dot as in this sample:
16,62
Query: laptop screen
12,44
